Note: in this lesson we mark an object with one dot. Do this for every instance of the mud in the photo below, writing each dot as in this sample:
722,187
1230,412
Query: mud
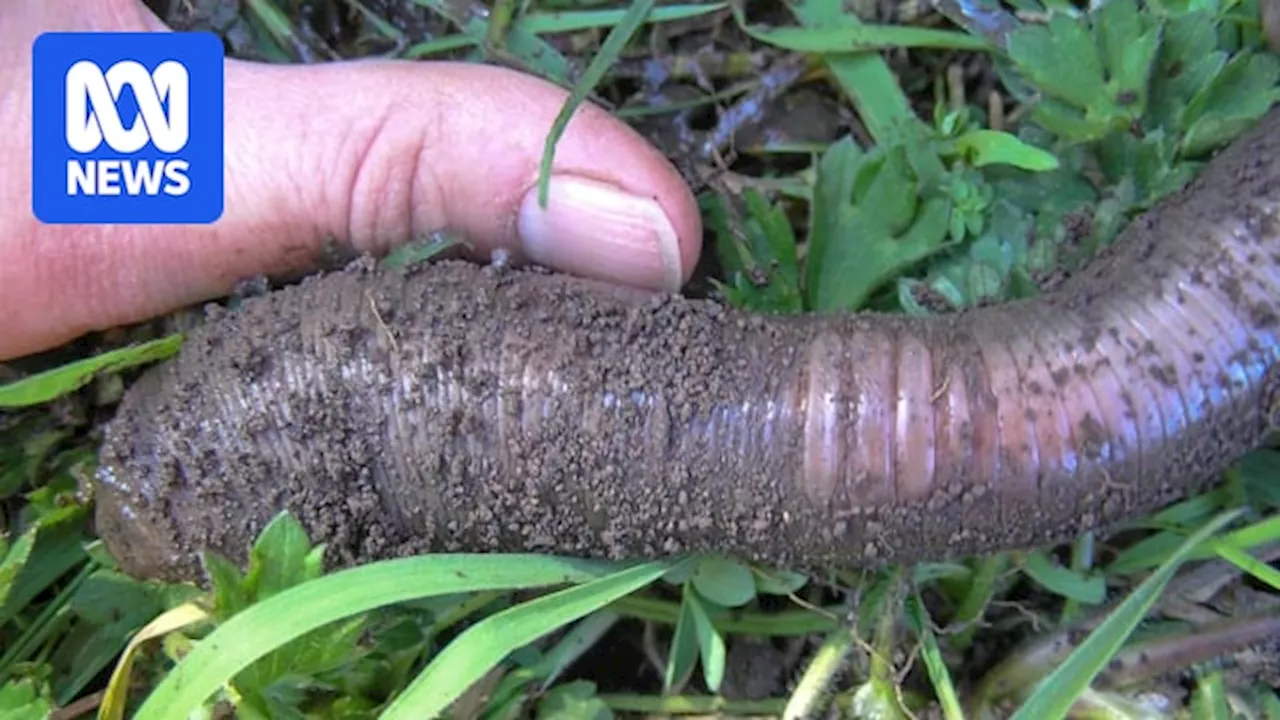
455,407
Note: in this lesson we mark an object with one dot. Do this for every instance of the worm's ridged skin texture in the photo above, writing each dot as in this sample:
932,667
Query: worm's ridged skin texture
464,408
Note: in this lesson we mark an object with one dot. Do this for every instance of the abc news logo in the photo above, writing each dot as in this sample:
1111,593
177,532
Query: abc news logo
128,128
93,117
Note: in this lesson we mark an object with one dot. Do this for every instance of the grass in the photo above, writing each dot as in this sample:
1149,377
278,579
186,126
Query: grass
926,208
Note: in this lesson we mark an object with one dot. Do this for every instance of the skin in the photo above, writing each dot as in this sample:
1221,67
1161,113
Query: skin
371,153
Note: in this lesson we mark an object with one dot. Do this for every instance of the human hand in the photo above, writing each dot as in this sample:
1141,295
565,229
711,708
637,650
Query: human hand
370,153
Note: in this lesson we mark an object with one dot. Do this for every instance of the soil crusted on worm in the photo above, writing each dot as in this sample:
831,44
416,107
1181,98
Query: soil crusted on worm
375,483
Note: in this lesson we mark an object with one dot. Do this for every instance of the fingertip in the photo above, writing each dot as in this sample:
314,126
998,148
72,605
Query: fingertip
594,228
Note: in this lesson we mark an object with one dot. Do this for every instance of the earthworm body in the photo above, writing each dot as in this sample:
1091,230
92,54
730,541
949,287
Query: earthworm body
460,408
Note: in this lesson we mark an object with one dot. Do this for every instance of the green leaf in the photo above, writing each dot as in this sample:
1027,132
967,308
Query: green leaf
1055,695
758,252
1087,75
710,644
984,282
52,384
833,190
927,572
680,574
1061,59
15,559
724,581
1211,699
571,646
566,21
108,607
1056,578
866,79
1188,60
886,184
1129,48
252,634
21,700
1239,95
682,656
574,701
991,147
1259,473
281,558
851,37
414,253
108,597
520,46
774,581
931,653
25,448
56,546
971,197
869,265
864,240
1067,122
230,594
1268,702
485,644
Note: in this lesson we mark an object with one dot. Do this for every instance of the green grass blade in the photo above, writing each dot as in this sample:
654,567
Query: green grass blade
527,28
52,384
380,24
600,64
1089,589
865,78
934,663
540,23
859,38
39,558
266,626
473,653
514,690
501,13
683,652
1055,695
439,45
38,632
277,23
1259,570
537,55
812,688
1151,551
711,647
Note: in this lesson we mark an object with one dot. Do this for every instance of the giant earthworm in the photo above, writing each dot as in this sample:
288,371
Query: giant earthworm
455,407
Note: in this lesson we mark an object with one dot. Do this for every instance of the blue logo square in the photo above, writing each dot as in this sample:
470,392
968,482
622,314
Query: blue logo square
127,128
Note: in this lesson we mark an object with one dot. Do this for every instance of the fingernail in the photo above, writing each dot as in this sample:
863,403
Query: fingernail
595,229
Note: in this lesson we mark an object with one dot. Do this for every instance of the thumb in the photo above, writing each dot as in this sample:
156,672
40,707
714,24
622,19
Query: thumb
372,154
376,153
